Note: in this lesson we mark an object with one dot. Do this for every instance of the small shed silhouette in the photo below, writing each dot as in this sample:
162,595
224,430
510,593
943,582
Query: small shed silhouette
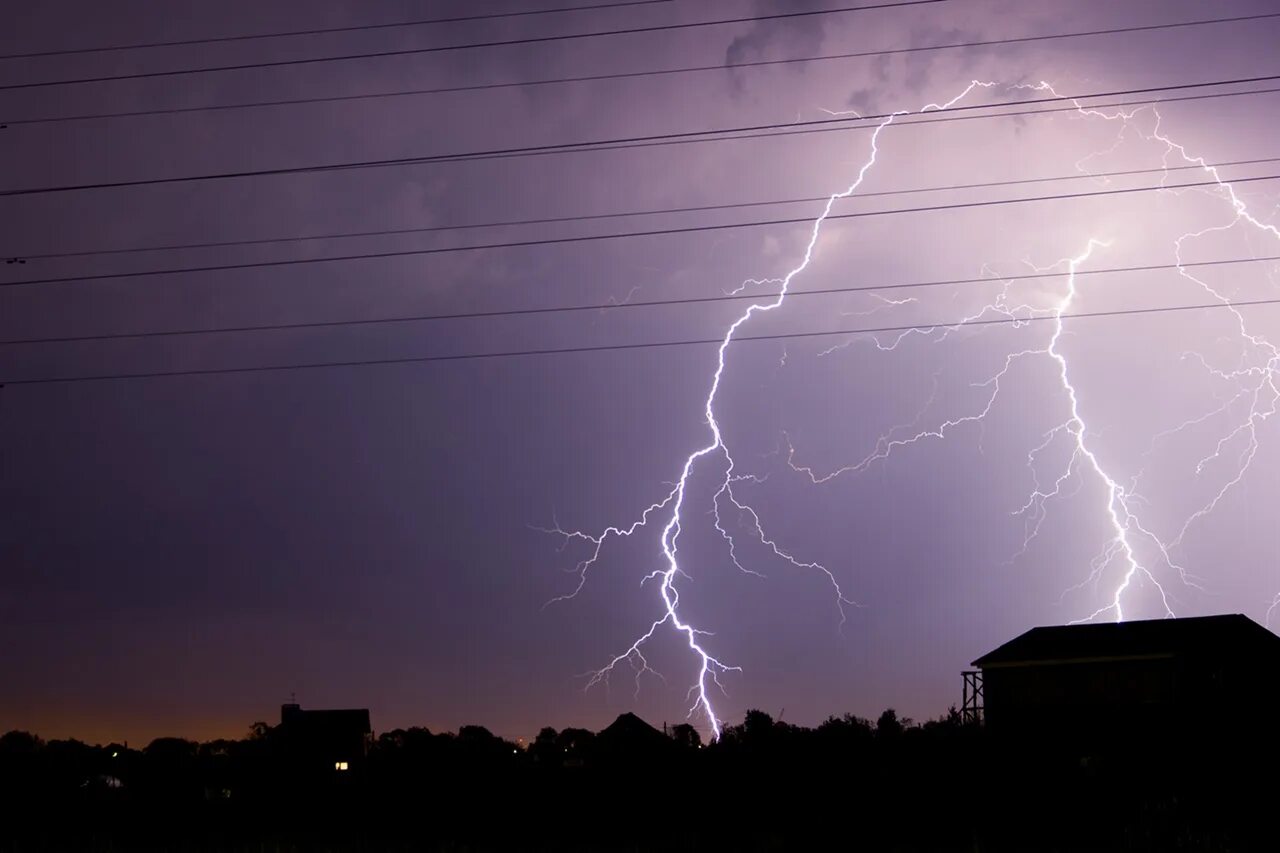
1168,680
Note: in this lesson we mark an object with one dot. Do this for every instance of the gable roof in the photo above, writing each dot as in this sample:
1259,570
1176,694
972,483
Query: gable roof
629,731
1223,635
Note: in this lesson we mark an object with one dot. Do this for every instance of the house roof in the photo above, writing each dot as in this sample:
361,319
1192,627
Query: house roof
628,732
1231,634
329,721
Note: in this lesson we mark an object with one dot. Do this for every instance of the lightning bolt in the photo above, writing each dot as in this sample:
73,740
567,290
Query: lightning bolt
1129,537
1262,392
1256,372
711,668
1119,509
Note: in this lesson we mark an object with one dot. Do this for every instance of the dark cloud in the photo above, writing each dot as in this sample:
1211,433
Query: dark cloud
779,39
910,72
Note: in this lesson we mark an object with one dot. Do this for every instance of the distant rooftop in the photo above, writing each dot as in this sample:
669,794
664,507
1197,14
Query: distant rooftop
342,719
1202,635
631,732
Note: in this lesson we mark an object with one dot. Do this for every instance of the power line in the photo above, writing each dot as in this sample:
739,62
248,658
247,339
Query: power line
636,74
325,30
610,306
591,238
466,46
633,346
615,143
897,124
553,220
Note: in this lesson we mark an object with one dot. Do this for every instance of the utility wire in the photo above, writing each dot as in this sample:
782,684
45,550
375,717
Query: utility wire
610,306
325,30
613,143
591,238
592,217
558,37
644,345
637,74
896,124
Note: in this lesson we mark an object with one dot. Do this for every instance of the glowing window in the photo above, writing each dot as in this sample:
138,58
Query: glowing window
339,765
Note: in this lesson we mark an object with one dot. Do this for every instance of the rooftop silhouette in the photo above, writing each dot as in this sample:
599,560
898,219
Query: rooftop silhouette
1230,634
1114,687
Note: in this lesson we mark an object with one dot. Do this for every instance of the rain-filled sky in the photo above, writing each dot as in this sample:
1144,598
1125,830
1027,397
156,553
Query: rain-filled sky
179,554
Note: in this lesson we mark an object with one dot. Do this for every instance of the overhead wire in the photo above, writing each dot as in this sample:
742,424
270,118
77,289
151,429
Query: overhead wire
643,345
593,217
659,139
756,131
591,238
458,19
611,306
897,124
557,37
719,67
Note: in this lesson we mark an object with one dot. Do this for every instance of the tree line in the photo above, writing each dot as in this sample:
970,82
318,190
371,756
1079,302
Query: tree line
765,784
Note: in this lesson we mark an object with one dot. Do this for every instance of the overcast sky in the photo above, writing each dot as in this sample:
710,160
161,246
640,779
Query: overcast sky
179,555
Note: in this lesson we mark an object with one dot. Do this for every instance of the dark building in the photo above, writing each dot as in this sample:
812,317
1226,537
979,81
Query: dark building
630,739
1167,682
324,744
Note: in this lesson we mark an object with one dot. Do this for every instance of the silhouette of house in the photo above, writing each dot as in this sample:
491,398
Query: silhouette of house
1128,683
630,739
324,743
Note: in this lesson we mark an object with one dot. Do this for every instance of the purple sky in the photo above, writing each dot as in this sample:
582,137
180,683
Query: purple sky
179,555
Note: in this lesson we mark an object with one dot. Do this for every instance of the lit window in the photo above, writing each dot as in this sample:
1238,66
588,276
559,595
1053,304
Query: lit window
339,765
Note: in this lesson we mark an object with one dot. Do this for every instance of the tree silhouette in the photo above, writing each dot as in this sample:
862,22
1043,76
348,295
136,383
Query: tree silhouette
686,736
543,749
435,791
888,725
19,743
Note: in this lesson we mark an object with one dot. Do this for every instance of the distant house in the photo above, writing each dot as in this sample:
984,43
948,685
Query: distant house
1169,681
324,743
631,739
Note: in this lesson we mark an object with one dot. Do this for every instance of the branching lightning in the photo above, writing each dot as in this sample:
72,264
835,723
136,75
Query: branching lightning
1132,552
1256,370
711,668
